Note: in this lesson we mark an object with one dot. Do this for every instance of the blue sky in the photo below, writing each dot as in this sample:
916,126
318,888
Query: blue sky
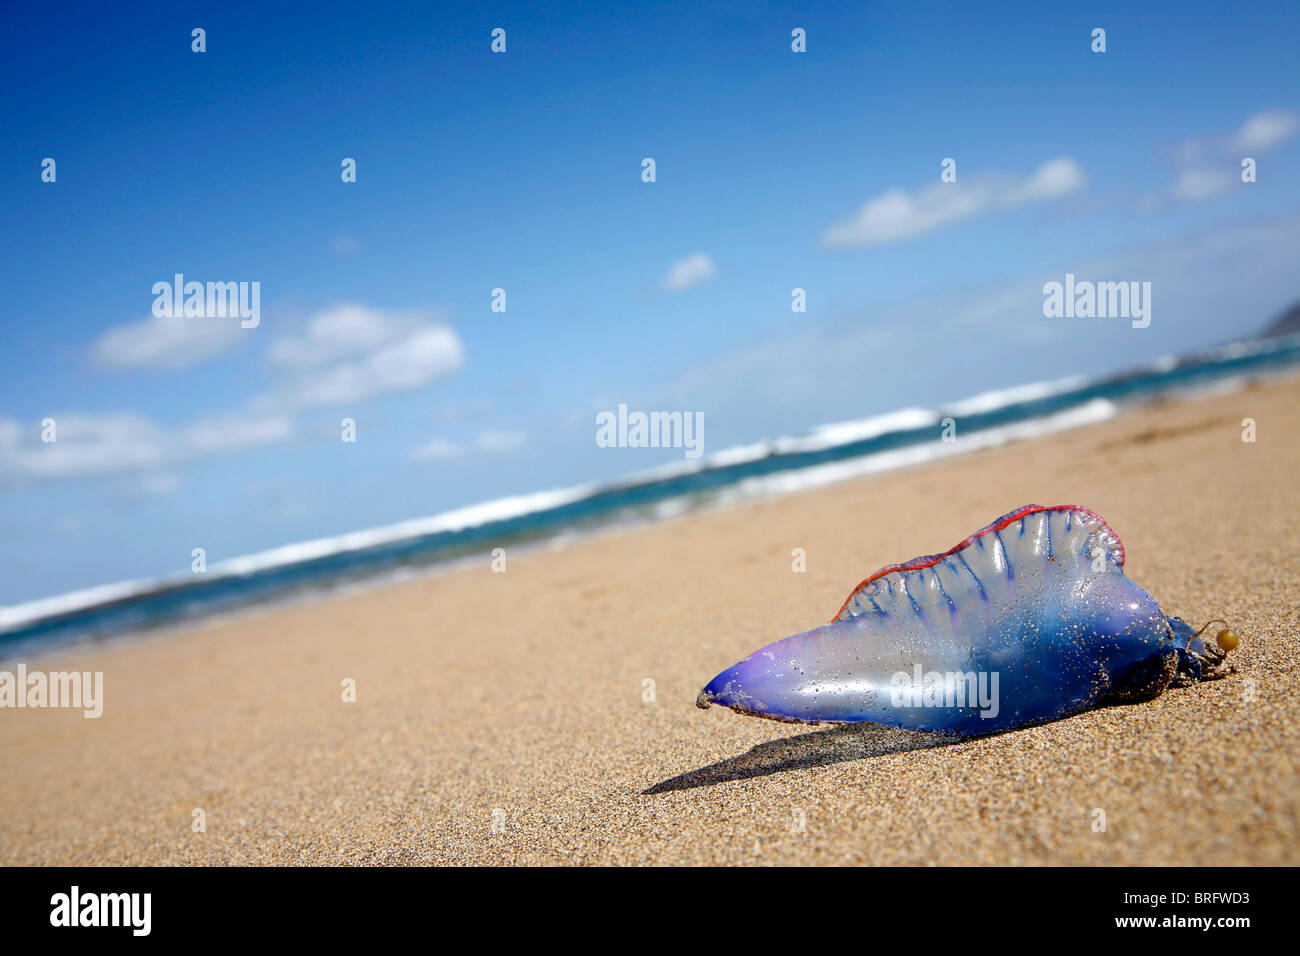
522,171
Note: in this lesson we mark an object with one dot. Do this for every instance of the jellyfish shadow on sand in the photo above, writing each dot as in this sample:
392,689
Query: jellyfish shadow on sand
816,749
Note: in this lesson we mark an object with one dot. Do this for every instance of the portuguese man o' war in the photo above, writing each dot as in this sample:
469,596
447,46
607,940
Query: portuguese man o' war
1028,620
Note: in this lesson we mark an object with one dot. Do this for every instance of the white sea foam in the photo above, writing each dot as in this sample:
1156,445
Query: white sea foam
19,615
498,509
1000,398
820,438
1096,410
861,429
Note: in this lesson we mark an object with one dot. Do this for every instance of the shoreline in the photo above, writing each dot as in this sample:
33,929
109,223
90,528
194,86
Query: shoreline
525,692
762,487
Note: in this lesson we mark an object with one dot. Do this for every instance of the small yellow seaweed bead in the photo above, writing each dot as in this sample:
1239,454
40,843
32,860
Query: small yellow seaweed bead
1227,639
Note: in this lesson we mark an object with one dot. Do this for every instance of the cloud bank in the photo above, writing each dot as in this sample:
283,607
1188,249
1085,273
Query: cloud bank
897,214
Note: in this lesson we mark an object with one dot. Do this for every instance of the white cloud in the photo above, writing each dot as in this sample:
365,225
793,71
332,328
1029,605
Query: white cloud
490,440
494,440
338,333
408,363
83,445
689,272
346,355
231,433
1052,180
11,434
436,450
1265,130
354,353
88,445
1212,165
897,214
1200,183
169,343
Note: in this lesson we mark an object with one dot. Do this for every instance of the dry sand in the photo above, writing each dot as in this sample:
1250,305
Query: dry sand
522,693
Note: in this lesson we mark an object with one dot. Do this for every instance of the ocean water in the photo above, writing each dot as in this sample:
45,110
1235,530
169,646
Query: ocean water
827,454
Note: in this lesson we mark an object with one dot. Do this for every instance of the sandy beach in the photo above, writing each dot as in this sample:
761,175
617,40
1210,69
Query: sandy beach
504,719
